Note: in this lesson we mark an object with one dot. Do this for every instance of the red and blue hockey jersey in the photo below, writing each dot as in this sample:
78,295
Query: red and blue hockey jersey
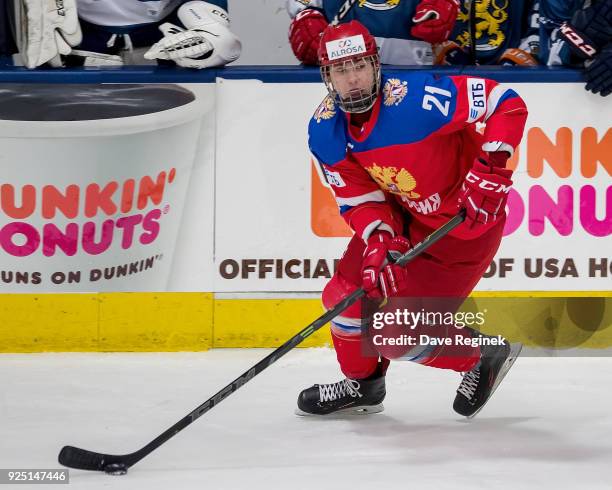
390,22
415,149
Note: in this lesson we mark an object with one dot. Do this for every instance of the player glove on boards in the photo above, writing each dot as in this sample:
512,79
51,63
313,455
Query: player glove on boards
46,30
305,33
205,42
589,36
434,20
598,73
484,192
450,53
380,277
516,57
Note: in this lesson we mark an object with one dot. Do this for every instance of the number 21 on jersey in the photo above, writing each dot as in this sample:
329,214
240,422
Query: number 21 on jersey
438,98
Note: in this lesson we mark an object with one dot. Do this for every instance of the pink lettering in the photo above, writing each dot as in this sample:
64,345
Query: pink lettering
9,231
515,212
588,211
89,237
151,226
560,213
53,237
127,223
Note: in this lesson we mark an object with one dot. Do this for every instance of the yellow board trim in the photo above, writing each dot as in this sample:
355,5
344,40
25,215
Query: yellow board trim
541,294
166,322
106,322
266,322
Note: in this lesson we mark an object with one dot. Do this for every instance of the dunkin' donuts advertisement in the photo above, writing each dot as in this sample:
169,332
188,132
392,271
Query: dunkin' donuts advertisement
93,186
211,187
559,226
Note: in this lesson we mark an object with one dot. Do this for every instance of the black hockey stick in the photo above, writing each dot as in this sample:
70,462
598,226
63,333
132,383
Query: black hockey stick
472,29
74,457
342,11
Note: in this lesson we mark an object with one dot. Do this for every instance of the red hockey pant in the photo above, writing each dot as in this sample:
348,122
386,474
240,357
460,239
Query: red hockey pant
450,268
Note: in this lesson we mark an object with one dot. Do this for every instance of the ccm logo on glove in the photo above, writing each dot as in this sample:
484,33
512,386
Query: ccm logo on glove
578,41
486,185
483,195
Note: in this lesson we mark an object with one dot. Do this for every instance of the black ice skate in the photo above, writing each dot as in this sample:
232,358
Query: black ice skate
479,384
363,396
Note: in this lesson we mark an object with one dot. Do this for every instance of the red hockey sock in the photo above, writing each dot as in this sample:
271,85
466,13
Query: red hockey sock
353,362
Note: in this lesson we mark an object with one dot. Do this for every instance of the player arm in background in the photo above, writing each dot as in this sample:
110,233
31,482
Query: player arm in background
553,49
589,37
45,30
204,41
308,22
360,200
525,54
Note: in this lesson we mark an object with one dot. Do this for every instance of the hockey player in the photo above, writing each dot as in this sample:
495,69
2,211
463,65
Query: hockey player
192,34
578,34
404,29
505,33
7,45
402,156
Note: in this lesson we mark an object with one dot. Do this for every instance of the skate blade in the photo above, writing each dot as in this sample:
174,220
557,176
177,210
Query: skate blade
351,412
515,351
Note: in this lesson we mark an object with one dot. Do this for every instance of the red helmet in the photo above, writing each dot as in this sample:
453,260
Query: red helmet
344,41
345,47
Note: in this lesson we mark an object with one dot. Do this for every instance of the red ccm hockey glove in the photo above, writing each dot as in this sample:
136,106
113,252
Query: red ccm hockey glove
484,194
434,20
305,33
380,277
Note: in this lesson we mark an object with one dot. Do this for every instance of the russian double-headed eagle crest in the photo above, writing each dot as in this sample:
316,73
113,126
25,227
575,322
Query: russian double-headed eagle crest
326,110
394,91
396,181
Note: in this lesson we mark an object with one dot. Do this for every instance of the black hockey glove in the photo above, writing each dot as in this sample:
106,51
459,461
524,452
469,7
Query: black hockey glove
598,73
589,30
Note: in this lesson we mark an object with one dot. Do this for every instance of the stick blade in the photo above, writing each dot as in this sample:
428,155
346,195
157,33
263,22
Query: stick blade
81,459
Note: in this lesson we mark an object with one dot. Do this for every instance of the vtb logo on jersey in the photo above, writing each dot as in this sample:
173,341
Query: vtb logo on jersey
477,101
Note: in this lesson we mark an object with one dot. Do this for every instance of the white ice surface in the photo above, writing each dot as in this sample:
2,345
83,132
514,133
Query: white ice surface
549,426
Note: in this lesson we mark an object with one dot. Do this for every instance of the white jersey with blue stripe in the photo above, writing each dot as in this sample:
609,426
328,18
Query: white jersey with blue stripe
130,12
